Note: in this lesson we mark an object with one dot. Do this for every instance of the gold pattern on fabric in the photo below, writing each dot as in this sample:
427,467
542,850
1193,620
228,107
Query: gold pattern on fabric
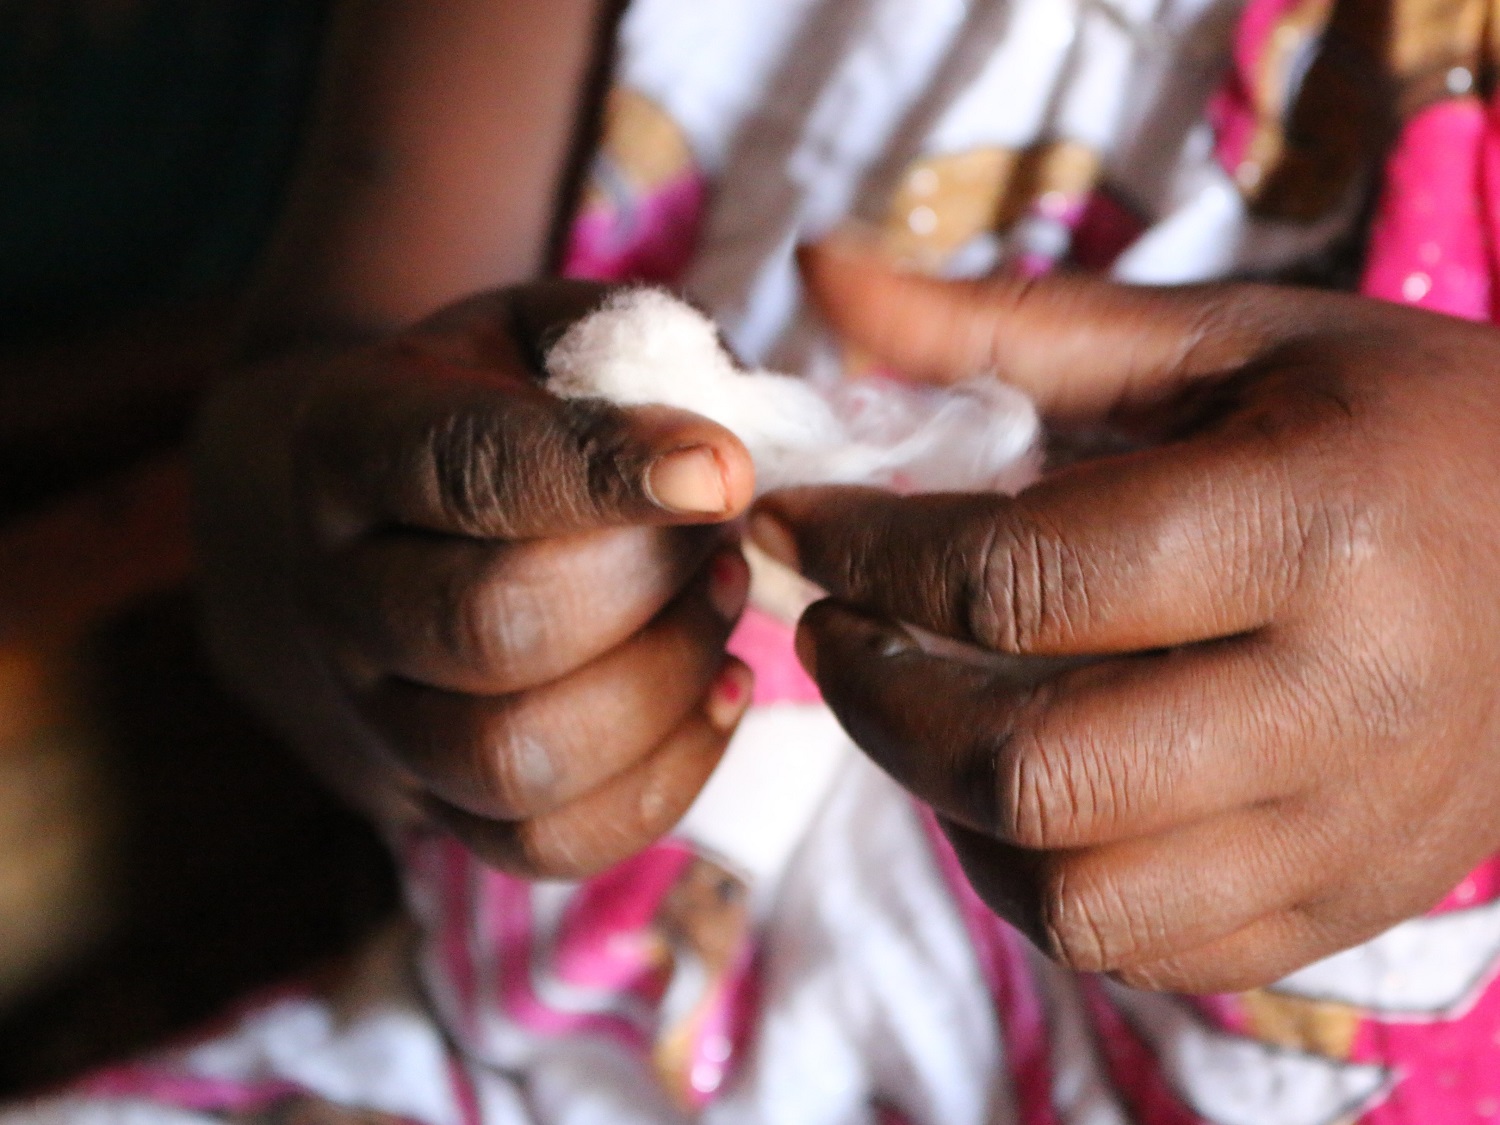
641,145
700,934
943,202
1311,1026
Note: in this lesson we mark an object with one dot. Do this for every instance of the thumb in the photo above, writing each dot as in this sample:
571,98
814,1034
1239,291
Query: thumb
1080,345
449,429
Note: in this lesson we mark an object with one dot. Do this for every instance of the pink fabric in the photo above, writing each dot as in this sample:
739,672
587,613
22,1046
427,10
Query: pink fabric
1226,1012
719,1042
1430,245
621,902
1489,189
142,1082
768,647
1235,111
511,939
1018,1004
649,239
1133,1066
1481,886
603,972
1257,23
1103,231
1450,1069
465,1096
186,1091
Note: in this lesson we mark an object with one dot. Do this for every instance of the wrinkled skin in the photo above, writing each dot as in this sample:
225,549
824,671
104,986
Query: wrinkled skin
1284,737
471,601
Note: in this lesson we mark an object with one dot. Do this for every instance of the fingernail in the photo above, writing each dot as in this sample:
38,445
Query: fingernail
773,537
807,650
688,481
729,583
850,628
729,697
893,641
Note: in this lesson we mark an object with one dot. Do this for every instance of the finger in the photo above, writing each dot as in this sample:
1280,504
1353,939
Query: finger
411,437
1169,546
1340,914
1141,901
1111,751
1256,955
517,756
1081,345
467,615
625,814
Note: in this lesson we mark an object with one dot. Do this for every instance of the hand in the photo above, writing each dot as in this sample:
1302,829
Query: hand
1286,737
469,599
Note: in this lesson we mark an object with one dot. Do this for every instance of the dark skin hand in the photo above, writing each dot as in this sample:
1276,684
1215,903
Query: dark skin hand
474,600
459,597
1286,735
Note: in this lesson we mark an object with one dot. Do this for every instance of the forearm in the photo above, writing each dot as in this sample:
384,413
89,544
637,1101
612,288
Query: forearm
435,163
433,171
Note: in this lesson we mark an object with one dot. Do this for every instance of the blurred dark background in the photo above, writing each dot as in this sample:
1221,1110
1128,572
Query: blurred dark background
144,147
159,855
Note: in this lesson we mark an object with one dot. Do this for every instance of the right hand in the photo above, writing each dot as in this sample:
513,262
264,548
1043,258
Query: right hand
468,599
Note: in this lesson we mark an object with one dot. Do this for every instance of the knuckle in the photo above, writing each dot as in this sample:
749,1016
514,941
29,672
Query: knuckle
657,806
1081,919
1190,974
489,627
1337,534
1048,794
514,771
466,465
1036,798
1029,589
601,447
486,469
1395,665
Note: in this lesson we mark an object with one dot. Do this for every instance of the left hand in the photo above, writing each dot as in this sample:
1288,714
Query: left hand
1287,736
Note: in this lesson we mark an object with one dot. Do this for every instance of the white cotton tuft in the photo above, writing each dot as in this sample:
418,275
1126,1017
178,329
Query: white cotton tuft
646,347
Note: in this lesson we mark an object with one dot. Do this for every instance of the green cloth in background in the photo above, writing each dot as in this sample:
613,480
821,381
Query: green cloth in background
144,149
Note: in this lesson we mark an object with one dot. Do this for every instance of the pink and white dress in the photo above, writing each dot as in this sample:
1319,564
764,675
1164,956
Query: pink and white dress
804,951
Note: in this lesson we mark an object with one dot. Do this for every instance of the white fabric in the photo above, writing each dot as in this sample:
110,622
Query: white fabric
878,994
1235,1080
787,759
1424,969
